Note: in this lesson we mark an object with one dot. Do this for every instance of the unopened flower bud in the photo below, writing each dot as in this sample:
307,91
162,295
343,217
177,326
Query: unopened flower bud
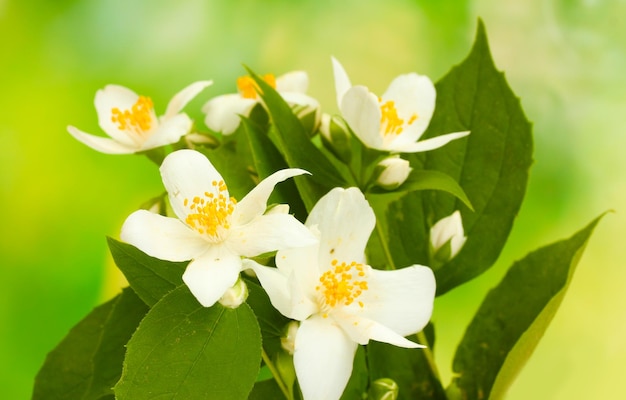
335,137
235,295
384,389
288,340
447,237
395,170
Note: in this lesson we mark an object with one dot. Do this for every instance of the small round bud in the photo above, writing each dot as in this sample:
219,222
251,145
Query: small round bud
394,172
235,295
384,389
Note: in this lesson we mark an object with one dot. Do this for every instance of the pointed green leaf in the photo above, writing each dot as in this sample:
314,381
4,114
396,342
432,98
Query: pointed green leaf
182,350
430,180
267,160
513,317
88,361
491,164
149,277
298,150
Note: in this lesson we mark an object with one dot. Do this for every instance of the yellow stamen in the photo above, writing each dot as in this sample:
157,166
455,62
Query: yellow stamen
137,119
211,214
391,123
247,86
339,286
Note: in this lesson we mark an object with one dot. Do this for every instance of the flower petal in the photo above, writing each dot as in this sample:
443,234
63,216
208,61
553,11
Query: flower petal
345,221
268,233
412,94
102,144
108,98
162,237
223,112
401,300
323,358
362,330
428,144
361,111
180,99
295,81
186,174
210,275
275,284
342,81
169,131
255,202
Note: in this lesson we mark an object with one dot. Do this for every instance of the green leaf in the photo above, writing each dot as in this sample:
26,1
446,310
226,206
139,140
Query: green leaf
298,150
513,317
266,390
229,161
149,277
182,350
430,180
88,361
267,160
491,164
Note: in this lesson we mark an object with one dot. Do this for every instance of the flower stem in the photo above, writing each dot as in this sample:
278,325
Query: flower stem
276,375
428,353
385,246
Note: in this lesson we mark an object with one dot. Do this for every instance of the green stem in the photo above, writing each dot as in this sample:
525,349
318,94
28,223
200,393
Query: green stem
385,246
428,353
276,375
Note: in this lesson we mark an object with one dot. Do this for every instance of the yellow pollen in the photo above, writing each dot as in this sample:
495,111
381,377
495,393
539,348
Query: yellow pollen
211,214
137,119
247,86
339,286
391,123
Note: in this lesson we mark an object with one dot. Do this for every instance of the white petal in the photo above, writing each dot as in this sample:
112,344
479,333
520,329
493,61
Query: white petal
223,112
275,284
210,275
180,99
361,111
428,144
115,96
342,81
345,221
162,237
300,99
255,202
412,94
295,81
401,300
362,330
102,144
268,233
169,131
302,266
186,174
323,359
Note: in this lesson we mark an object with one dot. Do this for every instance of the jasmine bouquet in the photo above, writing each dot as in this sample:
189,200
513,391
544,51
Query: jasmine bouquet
296,255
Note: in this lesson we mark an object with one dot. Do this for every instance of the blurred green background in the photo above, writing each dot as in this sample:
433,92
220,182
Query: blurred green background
58,198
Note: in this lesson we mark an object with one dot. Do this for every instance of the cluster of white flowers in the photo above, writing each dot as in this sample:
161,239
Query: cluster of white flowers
322,278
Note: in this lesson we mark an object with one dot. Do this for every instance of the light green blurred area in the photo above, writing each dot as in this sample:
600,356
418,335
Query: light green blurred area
59,199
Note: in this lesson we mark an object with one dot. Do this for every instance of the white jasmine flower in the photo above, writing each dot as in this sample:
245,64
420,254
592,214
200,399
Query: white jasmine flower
223,112
448,230
339,299
395,172
131,122
212,229
396,121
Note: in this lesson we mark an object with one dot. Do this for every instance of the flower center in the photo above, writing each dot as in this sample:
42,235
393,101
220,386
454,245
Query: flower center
210,214
390,123
137,119
247,86
342,284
